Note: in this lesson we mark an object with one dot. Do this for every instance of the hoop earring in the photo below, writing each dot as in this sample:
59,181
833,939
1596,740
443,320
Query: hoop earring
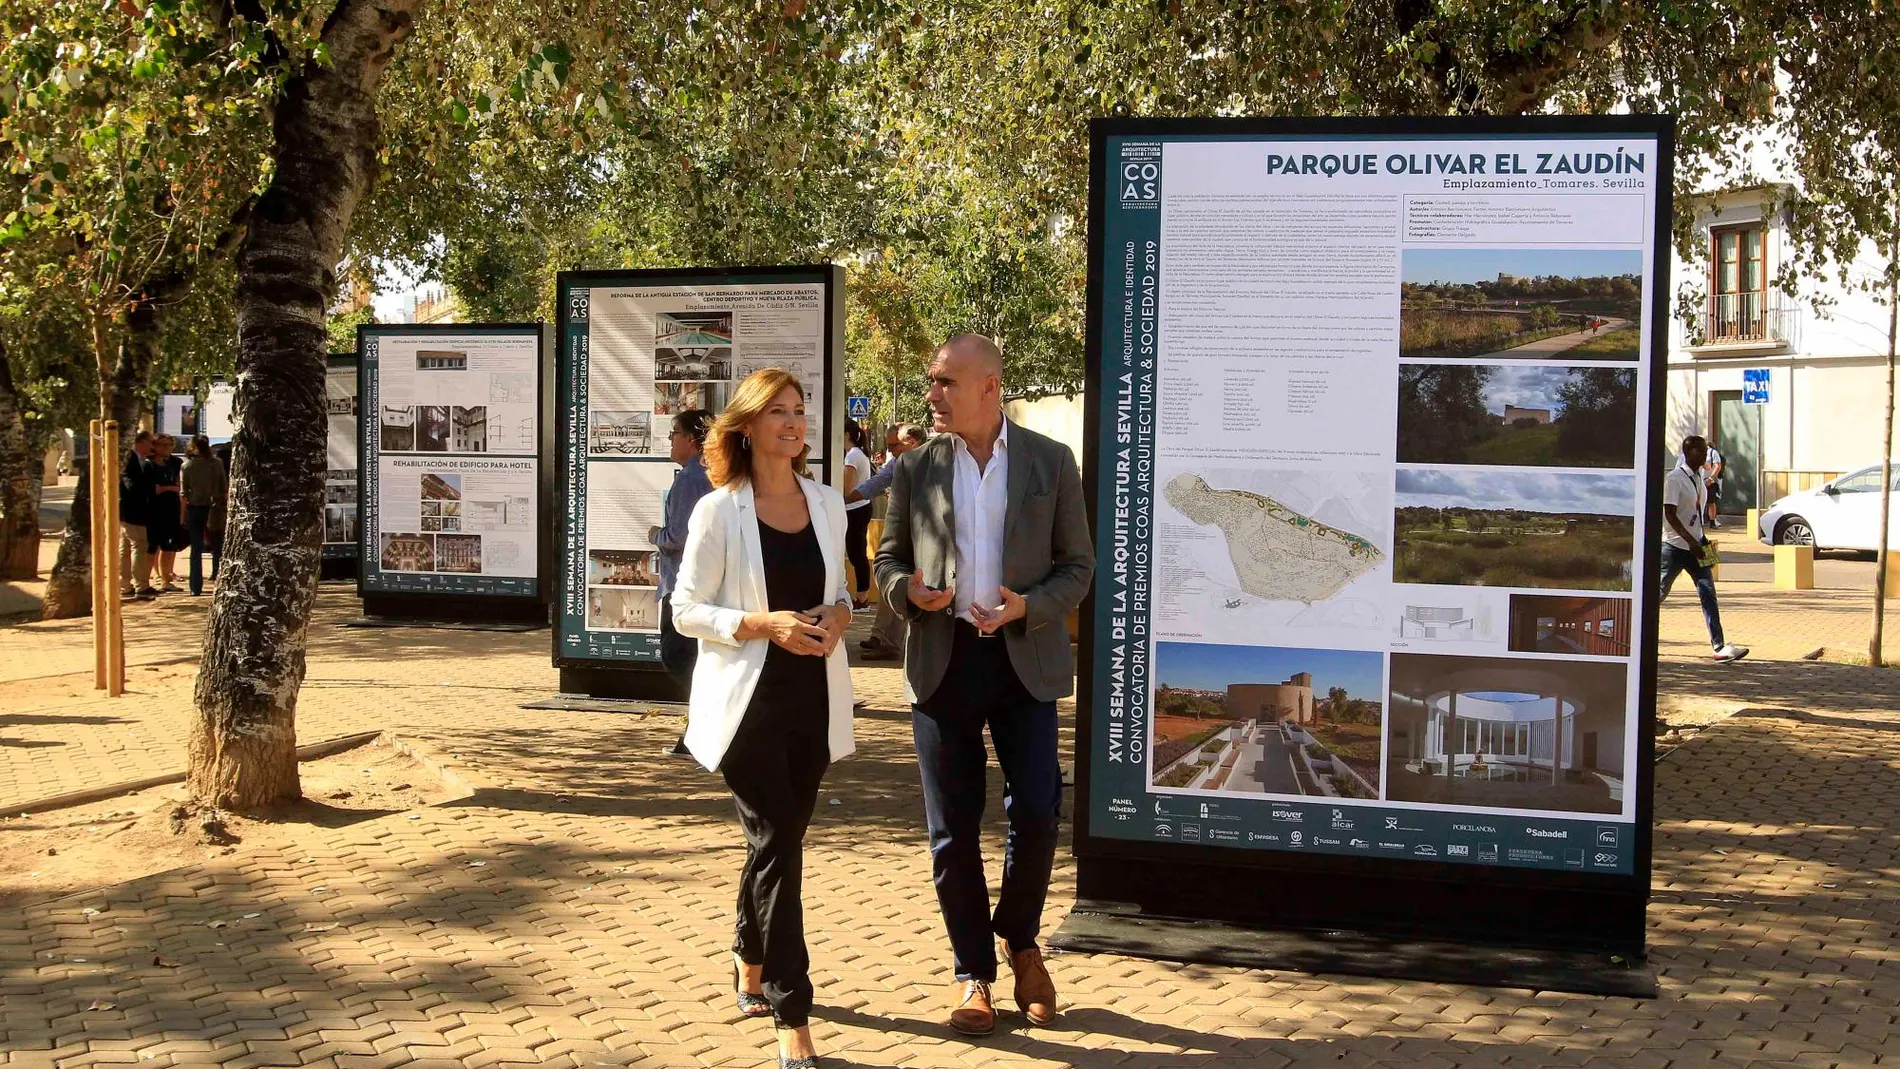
745,441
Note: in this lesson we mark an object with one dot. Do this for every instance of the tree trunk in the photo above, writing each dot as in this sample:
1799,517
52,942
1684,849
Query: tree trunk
69,587
124,384
22,469
326,136
122,391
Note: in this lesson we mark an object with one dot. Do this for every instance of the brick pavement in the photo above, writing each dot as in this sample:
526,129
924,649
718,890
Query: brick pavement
593,929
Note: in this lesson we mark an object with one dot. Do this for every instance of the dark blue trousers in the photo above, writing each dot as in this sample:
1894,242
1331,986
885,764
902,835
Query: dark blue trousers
678,654
1675,561
196,517
981,689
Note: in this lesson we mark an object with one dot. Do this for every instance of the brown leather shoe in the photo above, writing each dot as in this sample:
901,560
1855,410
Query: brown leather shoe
974,1016
1035,989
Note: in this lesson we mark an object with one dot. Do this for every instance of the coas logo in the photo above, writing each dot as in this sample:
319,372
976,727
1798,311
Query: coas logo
1140,180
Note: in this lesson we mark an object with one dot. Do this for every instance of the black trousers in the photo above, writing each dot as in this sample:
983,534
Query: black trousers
857,525
774,776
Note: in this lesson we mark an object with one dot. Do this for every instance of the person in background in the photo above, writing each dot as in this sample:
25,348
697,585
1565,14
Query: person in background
1685,547
165,534
204,485
886,641
214,527
857,468
987,584
138,482
761,586
1712,470
687,438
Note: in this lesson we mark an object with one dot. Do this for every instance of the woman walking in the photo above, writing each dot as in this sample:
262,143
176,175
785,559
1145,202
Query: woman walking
204,486
761,587
857,468
166,535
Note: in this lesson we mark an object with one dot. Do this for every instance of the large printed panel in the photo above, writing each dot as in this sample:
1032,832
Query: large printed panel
636,349
449,425
1371,479
341,534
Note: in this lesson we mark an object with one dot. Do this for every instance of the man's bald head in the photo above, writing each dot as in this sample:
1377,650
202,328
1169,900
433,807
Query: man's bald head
966,387
976,347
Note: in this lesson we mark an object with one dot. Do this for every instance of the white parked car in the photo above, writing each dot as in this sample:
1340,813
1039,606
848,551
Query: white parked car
1841,514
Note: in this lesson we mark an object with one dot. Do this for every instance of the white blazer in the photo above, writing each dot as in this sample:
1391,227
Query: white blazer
721,578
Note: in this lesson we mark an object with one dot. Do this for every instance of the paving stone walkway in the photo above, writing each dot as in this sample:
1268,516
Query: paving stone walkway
575,908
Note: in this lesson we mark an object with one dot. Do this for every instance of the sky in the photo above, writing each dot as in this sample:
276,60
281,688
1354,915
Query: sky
1528,386
1525,387
1607,495
1207,666
1483,265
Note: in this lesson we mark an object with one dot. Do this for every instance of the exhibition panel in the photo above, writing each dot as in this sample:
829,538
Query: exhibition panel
1374,461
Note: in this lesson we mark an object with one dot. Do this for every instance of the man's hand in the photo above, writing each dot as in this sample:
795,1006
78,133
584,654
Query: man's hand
653,534
925,598
1014,607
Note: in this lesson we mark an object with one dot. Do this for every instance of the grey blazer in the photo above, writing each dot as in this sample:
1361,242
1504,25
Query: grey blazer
1048,558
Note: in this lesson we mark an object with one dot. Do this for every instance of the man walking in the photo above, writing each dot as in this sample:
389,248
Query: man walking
887,628
677,652
1685,547
138,493
986,550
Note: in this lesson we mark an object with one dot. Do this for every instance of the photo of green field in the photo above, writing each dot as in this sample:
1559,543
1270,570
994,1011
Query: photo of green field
1520,304
1517,415
1514,529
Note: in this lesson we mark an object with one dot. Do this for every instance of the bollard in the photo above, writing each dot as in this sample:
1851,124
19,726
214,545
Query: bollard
115,606
1754,523
1794,567
104,542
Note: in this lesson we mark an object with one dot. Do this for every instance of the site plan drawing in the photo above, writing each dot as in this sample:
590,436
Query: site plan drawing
1278,552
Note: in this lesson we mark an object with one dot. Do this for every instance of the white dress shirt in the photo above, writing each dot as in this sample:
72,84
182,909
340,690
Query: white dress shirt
978,502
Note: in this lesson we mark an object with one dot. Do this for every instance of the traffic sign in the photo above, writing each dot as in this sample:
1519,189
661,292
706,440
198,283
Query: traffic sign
1755,386
858,407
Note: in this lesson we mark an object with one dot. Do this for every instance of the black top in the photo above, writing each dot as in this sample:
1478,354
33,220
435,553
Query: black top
138,484
169,473
792,689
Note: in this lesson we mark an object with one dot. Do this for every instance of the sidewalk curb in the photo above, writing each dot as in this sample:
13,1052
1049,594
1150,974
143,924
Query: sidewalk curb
309,752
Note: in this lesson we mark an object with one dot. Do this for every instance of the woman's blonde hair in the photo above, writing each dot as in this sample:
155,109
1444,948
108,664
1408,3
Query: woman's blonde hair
728,457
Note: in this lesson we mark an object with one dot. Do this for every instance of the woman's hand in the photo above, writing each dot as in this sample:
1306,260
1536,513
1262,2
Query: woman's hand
834,618
794,632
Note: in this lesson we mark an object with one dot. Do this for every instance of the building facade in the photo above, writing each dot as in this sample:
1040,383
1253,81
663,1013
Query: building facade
1826,373
1288,700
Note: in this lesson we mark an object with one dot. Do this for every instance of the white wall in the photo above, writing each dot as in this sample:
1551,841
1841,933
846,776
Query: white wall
1059,417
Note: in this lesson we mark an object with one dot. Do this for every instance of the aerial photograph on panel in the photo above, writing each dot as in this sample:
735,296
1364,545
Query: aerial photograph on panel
1483,527
1521,304
1266,720
1530,415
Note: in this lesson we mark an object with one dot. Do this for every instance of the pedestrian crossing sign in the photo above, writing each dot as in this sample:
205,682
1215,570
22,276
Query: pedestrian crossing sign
858,407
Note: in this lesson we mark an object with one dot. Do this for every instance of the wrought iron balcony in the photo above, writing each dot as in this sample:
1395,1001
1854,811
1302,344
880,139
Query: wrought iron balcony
1753,318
